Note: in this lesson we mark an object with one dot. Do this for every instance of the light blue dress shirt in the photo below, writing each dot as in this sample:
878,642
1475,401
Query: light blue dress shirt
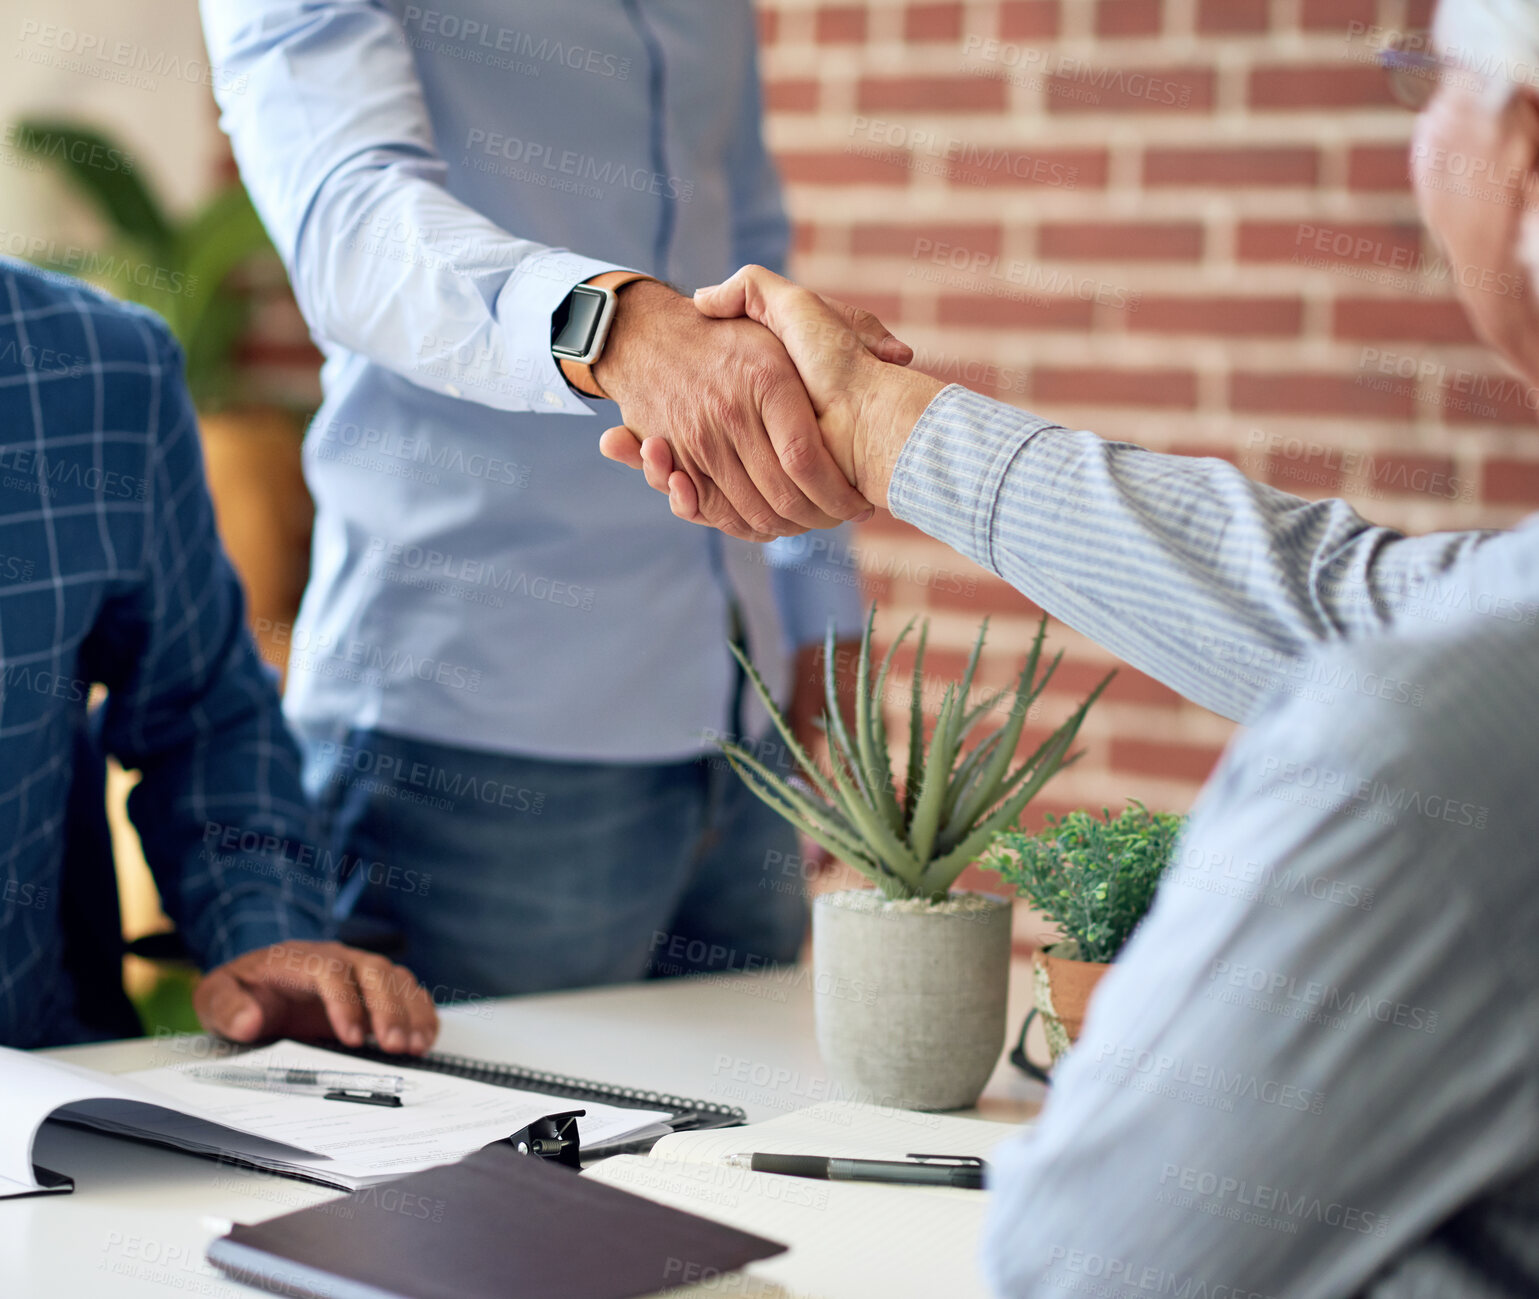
1313,1072
481,576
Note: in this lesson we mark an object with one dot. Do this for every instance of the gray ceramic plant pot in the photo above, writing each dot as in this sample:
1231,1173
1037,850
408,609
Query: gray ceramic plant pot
910,996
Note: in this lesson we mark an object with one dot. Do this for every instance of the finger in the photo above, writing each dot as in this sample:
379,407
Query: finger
716,507
877,338
385,989
757,293
754,469
730,298
340,996
682,498
804,459
779,305
657,463
730,497
620,444
224,1006
797,316
423,1015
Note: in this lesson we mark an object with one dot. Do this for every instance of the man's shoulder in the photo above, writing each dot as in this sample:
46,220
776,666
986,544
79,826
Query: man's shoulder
88,391
53,324
1453,676
1437,721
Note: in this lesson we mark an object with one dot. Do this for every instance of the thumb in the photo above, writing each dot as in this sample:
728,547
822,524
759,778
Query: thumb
724,301
620,444
811,329
752,291
225,1006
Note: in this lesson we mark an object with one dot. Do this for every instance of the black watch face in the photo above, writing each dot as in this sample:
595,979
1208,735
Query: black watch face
575,322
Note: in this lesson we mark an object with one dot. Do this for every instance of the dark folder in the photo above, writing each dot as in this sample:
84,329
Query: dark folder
494,1225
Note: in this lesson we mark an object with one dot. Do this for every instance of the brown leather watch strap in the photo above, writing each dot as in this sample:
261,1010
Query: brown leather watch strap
577,374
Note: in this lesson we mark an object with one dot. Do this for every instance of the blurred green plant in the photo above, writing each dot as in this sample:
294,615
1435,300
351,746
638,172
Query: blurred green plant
1093,878
179,269
166,1006
954,800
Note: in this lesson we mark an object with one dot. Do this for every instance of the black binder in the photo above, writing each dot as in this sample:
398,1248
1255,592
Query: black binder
489,1227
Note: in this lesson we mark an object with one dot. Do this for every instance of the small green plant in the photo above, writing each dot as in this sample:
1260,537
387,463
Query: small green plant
1093,878
954,800
179,269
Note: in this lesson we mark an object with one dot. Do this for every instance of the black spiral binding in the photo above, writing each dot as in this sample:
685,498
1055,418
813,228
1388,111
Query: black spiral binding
686,1113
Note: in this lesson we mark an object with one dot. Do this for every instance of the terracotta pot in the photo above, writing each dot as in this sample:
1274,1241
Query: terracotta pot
252,457
1062,988
910,996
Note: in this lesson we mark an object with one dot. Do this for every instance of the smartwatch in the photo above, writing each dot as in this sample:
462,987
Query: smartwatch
579,327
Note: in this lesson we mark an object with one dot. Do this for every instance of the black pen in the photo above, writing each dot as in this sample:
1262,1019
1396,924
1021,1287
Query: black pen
964,1171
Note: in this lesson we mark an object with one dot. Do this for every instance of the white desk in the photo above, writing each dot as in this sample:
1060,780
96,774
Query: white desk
141,1218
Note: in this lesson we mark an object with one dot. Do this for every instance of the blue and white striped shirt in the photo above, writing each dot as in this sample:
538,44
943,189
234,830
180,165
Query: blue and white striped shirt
111,571
1315,1069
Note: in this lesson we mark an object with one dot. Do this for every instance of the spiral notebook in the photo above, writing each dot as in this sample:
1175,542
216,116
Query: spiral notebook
439,1117
684,1113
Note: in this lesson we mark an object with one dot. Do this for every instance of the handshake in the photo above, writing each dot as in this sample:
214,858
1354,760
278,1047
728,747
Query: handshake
761,409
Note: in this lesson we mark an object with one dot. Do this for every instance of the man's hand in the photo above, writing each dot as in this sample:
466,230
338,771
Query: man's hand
865,402
317,990
728,403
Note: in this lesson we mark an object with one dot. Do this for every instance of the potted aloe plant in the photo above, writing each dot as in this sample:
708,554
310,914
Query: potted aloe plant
1095,878
912,977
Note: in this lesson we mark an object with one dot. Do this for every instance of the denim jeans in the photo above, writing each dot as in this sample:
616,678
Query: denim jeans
509,874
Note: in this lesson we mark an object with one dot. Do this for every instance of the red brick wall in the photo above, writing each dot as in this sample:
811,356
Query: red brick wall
1181,222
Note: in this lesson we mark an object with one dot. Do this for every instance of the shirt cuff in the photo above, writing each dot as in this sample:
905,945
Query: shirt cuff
525,304
816,578
950,474
252,926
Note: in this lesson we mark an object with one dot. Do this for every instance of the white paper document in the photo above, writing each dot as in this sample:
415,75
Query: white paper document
441,1118
848,1240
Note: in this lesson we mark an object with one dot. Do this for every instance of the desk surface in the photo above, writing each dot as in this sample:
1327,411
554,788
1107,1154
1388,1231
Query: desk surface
141,1217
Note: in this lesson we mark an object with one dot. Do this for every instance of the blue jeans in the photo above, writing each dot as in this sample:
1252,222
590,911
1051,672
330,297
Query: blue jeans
509,874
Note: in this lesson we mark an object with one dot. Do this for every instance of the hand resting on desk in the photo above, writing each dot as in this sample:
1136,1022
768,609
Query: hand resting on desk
317,990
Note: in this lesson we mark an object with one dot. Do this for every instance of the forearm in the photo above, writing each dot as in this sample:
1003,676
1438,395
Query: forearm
1216,585
391,267
228,834
219,808
335,143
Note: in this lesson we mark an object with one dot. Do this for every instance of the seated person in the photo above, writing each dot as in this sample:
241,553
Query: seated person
1314,1071
111,572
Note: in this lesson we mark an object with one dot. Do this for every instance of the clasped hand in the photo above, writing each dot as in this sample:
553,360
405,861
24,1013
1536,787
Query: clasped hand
766,434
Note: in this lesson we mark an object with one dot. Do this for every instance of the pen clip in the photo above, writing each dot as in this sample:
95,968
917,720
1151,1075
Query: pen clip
366,1098
948,1161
